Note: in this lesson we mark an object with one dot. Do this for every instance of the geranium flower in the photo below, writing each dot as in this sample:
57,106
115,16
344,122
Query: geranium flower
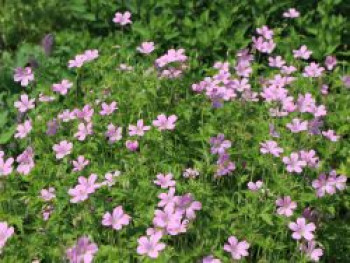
23,75
165,123
48,194
132,145
63,87
80,163
146,47
62,149
237,249
23,129
150,246
291,13
113,133
271,147
255,186
122,18
302,230
82,252
311,251
331,135
83,131
117,219
302,52
24,104
5,233
165,180
297,126
108,109
294,163
6,166
285,206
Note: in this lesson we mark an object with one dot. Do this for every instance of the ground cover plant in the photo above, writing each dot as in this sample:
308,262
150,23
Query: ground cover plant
133,151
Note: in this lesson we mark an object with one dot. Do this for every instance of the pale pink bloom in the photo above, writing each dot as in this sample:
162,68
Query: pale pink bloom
311,251
294,163
45,98
291,13
271,147
324,185
165,123
25,161
324,89
138,129
85,114
165,180
6,166
276,62
310,158
23,129
240,85
255,186
108,109
78,194
346,81
89,183
77,62
80,163
82,252
47,211
288,70
168,199
191,173
23,75
113,133
132,145
264,46
313,70
331,135
110,178
265,32
90,54
5,233
339,182
83,131
117,219
150,246
122,18
237,249
146,47
48,194
330,62
285,206
63,87
319,111
62,149
188,206
297,126
302,230
24,104
67,115
302,52
211,259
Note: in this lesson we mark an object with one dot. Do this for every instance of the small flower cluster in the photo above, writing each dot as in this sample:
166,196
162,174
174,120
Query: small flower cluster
83,251
172,63
81,59
329,185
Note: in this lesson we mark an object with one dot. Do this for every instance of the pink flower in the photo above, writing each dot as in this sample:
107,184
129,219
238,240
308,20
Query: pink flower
66,115
313,70
62,149
48,194
271,147
288,69
188,206
23,129
297,126
122,18
302,52
63,87
190,173
45,98
110,178
5,233
85,114
291,13
108,109
237,249
165,123
150,246
83,131
311,251
132,145
23,75
24,104
165,181
113,133
77,62
139,129
324,185
78,194
265,32
255,186
82,252
168,199
276,62
286,206
330,62
310,158
146,47
339,182
294,163
90,54
89,183
211,259
117,219
47,211
219,145
302,230
264,46
80,163
167,219
25,161
5,166
346,81
330,135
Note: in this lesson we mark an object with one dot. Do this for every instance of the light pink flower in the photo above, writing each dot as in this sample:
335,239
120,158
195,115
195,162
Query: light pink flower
165,180
313,70
302,52
85,114
302,230
77,62
331,135
82,252
285,206
78,194
297,126
25,161
108,109
5,233
311,251
150,246
276,62
83,131
324,185
168,199
187,206
146,47
165,123
67,115
91,54
48,194
110,178
211,259
89,183
62,149
23,75
113,133
138,129
117,219
190,173
265,32
122,18
310,158
6,166
80,163
271,147
237,249
255,186
24,104
294,163
132,145
330,62
23,129
45,98
63,87
291,13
